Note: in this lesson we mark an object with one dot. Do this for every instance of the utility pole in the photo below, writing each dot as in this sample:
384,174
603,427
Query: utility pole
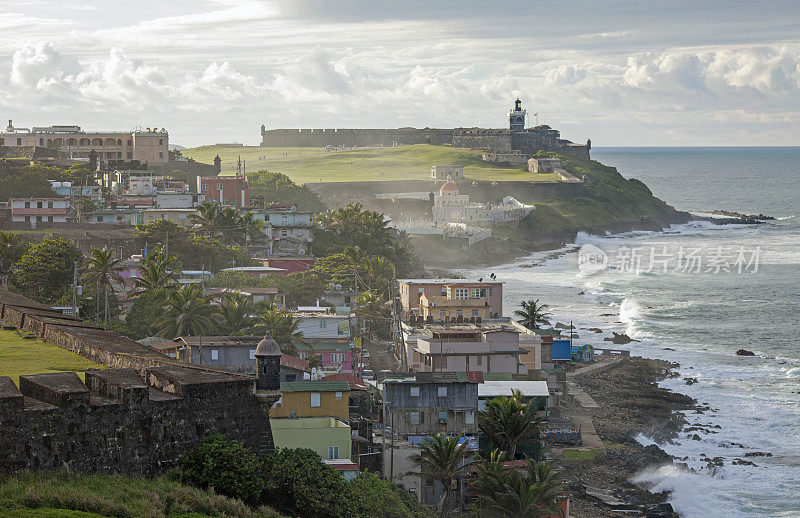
106,313
75,290
391,458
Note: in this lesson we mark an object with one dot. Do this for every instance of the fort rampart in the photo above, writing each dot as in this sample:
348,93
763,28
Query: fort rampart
138,417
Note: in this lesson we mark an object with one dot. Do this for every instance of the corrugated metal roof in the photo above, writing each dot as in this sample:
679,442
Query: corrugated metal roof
315,386
504,388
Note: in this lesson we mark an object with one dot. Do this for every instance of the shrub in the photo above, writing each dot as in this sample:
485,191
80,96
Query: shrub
371,496
227,467
298,482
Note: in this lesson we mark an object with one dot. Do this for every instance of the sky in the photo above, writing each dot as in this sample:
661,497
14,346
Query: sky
623,73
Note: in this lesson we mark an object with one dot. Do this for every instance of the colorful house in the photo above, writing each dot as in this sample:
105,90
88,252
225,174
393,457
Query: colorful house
329,437
313,399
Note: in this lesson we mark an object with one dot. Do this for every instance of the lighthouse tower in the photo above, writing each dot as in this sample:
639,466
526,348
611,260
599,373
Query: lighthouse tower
516,117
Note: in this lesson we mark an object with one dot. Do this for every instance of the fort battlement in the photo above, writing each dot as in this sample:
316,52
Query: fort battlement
138,417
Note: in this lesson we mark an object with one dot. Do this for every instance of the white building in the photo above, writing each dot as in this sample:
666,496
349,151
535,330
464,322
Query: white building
39,210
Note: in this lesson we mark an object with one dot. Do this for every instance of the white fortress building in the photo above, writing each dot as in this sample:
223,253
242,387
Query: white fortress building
149,145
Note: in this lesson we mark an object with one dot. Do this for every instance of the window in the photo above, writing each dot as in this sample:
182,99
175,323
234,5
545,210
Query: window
160,154
323,324
475,313
442,313
315,400
479,360
414,391
38,205
27,205
413,417
469,417
215,354
284,232
478,293
442,392
205,186
444,291
302,356
291,377
119,154
50,218
161,142
337,395
333,452
252,354
443,416
337,357
130,142
219,186
49,204
183,216
19,141
461,293
459,313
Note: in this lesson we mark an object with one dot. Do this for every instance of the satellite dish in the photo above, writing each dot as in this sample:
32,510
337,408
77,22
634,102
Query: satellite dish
331,286
339,287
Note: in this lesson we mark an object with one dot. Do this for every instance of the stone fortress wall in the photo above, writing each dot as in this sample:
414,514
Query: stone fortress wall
138,417
353,137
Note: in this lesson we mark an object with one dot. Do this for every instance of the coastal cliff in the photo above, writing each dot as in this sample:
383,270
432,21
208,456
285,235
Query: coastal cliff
606,203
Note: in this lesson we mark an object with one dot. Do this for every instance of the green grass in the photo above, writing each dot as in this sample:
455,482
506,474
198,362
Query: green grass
391,163
62,495
574,455
20,356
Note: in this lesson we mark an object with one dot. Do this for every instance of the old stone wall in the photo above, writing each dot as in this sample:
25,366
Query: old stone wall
354,137
139,417
494,140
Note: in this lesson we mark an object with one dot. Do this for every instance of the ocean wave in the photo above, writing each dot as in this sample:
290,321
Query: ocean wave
693,494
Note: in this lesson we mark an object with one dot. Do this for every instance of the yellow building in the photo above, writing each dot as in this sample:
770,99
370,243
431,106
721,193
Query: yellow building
149,145
457,300
313,399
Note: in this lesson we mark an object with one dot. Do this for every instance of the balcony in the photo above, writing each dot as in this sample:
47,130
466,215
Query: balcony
33,211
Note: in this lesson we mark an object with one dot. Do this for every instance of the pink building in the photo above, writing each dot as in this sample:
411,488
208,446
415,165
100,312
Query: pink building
226,190
412,289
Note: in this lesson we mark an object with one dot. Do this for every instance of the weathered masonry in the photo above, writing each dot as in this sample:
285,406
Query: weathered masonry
139,417
517,138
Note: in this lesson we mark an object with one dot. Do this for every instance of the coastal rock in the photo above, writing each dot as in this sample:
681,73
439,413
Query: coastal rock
690,381
745,352
619,339
742,462
758,454
695,437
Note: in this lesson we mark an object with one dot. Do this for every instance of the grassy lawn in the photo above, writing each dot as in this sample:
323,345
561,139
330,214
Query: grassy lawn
61,495
391,163
20,356
575,455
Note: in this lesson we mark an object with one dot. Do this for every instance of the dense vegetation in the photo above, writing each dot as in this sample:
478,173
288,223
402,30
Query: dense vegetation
21,179
276,188
67,495
295,482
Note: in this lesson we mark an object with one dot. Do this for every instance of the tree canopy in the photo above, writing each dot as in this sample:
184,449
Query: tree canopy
45,271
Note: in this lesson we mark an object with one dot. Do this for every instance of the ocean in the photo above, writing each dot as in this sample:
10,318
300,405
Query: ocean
695,294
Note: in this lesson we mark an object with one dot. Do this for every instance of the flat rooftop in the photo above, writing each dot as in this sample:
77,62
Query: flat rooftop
448,281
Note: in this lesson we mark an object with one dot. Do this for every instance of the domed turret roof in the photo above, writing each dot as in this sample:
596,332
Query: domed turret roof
448,186
267,347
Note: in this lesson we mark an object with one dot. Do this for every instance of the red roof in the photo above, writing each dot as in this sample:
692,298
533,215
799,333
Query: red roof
354,381
293,362
448,186
474,376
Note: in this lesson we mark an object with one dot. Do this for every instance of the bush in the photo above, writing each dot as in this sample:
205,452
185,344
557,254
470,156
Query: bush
371,496
298,482
227,467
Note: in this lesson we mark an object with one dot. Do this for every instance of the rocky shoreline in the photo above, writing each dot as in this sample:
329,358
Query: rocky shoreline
631,403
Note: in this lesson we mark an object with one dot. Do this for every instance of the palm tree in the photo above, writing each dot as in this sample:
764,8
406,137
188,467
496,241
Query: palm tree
444,460
533,315
237,314
102,270
508,422
371,309
282,326
514,492
186,313
157,271
250,227
208,217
